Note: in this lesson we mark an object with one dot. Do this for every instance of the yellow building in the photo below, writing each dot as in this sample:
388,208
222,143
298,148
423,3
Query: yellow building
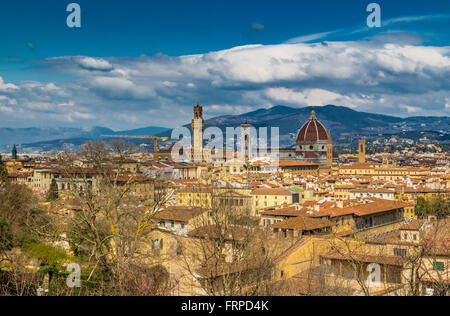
237,199
380,172
267,197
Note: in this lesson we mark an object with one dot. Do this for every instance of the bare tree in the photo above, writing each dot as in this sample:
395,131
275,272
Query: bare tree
112,216
228,253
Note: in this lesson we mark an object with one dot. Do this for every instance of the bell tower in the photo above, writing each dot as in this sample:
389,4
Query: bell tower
198,125
246,139
362,151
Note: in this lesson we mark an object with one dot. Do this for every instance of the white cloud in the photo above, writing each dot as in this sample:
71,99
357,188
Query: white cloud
410,109
227,109
329,35
95,64
169,84
307,97
365,76
120,88
5,87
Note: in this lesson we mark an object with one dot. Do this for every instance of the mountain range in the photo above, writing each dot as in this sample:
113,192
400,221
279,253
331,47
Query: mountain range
341,121
36,134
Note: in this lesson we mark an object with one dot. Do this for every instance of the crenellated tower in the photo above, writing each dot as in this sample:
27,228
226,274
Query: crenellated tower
198,126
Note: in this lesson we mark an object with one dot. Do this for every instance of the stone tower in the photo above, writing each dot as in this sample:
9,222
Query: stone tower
198,125
362,151
246,139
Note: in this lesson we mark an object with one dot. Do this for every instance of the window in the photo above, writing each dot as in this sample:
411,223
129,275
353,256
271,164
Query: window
438,265
399,252
172,224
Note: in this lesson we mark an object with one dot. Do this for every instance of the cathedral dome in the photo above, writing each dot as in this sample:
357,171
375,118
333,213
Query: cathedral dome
312,131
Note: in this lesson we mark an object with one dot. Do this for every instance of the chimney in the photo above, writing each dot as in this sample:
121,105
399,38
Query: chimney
340,204
316,207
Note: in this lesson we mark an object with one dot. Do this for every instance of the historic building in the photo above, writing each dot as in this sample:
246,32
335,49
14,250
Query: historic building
198,126
313,144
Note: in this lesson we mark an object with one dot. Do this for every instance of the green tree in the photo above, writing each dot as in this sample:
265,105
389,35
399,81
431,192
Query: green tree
437,206
422,207
3,172
21,210
440,206
53,191
6,237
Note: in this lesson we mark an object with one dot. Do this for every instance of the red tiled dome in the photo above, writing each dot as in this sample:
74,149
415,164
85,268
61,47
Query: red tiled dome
312,131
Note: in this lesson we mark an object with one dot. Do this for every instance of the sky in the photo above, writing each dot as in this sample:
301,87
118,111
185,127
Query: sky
139,63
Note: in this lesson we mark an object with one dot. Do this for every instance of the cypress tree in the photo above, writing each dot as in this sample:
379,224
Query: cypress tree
14,152
52,194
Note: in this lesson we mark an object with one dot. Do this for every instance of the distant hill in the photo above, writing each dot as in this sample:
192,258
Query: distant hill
146,131
21,136
338,119
341,121
18,136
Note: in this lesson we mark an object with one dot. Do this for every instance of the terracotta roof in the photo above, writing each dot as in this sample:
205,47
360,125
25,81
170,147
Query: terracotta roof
286,211
271,191
373,190
300,223
287,163
179,214
372,206
366,258
312,130
415,224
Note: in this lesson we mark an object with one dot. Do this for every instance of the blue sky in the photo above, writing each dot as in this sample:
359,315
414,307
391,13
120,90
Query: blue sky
129,62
